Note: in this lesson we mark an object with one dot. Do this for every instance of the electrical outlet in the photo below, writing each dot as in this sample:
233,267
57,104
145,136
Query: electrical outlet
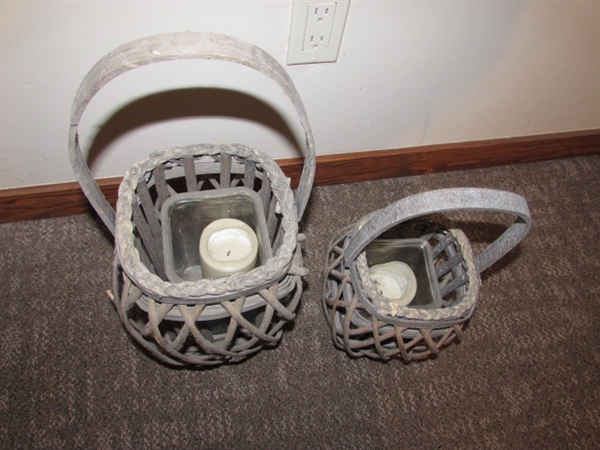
316,31
319,24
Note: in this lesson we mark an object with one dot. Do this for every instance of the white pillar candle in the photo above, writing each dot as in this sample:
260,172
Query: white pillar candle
395,281
227,246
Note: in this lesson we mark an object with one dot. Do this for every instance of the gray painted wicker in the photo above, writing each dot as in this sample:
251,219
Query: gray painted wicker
205,322
414,333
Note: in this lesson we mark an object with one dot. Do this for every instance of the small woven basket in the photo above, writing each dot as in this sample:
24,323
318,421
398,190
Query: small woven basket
209,321
350,297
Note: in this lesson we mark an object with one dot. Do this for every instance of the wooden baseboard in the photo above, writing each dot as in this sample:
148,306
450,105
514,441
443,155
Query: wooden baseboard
64,199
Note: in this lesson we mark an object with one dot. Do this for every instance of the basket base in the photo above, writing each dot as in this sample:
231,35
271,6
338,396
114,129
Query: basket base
183,335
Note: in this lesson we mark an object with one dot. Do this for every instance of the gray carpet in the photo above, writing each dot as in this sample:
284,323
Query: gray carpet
527,374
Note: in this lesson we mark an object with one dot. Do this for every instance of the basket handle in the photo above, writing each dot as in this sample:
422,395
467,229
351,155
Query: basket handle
445,200
176,46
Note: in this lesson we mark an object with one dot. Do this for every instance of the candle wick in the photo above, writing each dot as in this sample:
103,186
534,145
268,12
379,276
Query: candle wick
228,252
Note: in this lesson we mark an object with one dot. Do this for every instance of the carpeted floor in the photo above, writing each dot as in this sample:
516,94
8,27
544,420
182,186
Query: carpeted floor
527,374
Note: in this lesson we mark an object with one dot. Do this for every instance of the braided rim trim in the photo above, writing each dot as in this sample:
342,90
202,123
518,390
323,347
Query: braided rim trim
460,311
272,270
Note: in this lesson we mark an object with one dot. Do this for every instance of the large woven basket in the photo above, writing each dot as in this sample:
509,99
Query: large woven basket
350,297
208,321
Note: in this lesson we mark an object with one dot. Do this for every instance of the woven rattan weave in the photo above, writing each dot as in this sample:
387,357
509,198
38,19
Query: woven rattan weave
204,322
413,333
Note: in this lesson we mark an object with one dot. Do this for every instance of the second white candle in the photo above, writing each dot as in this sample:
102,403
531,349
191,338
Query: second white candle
395,281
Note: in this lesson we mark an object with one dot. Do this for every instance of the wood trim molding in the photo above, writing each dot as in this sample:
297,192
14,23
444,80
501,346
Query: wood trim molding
62,199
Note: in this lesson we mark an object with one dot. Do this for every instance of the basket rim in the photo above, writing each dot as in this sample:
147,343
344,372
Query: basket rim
415,317
207,290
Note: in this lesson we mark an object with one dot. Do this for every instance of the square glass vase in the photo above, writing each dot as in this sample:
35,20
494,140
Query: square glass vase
184,217
416,253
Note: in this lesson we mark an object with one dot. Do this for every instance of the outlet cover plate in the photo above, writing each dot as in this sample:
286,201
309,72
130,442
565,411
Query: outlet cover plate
316,31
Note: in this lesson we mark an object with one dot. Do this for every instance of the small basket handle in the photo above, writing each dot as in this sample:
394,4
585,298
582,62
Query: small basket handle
176,46
445,200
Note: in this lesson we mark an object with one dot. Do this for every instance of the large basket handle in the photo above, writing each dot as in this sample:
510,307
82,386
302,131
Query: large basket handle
176,46
445,200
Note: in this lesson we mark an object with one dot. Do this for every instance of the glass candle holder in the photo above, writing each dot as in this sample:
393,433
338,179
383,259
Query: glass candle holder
185,216
416,254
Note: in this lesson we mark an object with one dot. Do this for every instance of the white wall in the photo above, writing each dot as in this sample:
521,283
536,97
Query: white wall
409,73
